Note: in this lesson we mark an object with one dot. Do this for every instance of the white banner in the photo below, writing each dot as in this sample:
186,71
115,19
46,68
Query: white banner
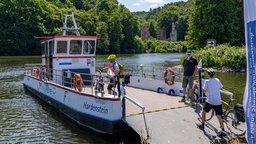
250,90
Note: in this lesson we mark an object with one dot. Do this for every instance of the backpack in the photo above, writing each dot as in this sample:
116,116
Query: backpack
121,68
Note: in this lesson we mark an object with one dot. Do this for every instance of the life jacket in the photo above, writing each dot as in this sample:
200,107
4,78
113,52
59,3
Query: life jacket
110,70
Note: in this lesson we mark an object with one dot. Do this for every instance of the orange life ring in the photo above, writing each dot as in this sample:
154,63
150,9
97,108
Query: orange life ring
166,80
78,82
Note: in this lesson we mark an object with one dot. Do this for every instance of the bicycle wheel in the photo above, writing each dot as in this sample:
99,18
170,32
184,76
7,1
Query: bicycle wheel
237,127
196,93
199,107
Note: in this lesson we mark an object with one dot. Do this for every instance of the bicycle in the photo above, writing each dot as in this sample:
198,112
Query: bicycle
99,84
233,118
195,92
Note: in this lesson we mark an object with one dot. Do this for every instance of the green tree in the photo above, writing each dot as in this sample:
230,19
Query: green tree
182,27
115,33
129,31
21,20
152,30
166,17
215,20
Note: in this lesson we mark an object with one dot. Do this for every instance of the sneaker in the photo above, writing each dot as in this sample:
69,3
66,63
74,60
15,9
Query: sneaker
221,134
188,99
192,103
200,126
182,100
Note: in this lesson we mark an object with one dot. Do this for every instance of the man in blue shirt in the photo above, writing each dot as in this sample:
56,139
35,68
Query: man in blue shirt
190,69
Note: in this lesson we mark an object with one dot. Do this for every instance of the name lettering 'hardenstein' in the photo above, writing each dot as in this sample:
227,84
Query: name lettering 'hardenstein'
98,109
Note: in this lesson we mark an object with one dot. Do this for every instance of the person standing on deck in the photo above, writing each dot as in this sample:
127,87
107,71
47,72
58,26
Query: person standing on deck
113,71
212,86
190,69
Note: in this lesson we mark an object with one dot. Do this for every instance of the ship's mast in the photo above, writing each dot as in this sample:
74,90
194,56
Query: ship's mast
73,28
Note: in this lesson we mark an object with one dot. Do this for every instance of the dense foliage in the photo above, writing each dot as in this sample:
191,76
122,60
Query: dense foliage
220,20
21,20
222,56
158,46
163,17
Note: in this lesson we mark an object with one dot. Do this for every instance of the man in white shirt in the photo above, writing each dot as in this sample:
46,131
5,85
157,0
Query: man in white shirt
212,86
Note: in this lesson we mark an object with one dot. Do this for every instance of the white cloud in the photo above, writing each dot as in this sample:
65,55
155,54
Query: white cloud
144,5
136,4
153,6
155,1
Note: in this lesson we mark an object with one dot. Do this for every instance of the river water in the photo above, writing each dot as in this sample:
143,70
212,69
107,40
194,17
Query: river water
26,119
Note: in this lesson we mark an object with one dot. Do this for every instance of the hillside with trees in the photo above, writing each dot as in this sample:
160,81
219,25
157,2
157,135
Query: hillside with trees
21,20
195,22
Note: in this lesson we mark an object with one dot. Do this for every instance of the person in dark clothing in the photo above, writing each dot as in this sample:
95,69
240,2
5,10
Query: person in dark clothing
190,69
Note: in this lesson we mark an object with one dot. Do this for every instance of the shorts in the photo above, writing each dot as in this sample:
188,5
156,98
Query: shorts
188,80
217,108
111,83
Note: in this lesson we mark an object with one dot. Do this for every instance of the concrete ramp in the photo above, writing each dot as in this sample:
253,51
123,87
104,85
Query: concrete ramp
173,126
169,121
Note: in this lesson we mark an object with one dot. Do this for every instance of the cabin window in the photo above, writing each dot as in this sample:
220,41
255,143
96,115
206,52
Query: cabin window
62,47
43,48
89,46
75,47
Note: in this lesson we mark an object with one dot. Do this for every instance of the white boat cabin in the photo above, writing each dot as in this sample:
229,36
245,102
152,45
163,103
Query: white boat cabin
67,55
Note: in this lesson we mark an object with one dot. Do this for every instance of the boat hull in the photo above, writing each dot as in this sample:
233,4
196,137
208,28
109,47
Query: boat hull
102,115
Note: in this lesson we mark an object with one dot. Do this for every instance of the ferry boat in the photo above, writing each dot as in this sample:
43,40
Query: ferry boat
54,81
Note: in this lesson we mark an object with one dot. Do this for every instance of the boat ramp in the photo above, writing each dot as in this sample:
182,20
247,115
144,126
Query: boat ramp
166,120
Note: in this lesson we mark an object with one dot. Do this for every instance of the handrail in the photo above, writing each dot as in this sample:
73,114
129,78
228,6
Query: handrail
149,71
143,109
230,96
226,92
135,102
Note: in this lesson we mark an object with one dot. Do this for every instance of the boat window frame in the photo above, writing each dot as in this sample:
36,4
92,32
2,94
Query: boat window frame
88,48
72,48
43,47
57,47
51,47
47,48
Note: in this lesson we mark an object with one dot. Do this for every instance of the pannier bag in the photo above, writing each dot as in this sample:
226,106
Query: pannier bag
240,114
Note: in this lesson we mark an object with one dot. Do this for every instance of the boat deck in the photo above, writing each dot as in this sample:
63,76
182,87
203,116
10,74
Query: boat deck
168,120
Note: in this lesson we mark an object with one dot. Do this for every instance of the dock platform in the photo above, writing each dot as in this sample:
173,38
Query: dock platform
168,120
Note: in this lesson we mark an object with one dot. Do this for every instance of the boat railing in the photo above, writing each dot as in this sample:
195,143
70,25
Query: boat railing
66,78
149,71
31,69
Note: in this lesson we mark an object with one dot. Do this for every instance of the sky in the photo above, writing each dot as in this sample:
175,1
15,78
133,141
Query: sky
145,5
